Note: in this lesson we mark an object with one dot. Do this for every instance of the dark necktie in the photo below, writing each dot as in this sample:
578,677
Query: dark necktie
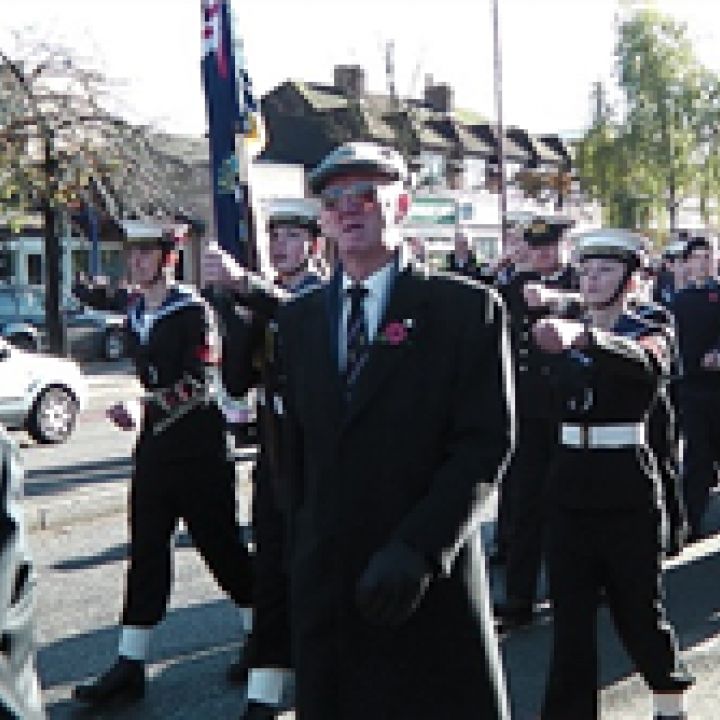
357,337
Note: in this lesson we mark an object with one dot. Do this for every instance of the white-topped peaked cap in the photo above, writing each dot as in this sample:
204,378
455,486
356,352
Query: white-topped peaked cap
519,219
137,232
623,245
297,212
359,157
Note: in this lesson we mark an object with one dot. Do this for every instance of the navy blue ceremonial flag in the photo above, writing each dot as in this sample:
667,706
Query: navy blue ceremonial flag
230,110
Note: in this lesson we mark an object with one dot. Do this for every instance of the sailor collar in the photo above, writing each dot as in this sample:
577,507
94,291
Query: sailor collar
631,325
142,321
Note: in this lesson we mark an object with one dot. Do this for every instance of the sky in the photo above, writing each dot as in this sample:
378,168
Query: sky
552,50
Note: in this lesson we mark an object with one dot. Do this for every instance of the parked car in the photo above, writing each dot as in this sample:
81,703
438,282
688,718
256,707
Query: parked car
20,697
91,334
40,394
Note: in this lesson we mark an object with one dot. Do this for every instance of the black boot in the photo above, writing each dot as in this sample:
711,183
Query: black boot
237,672
258,711
123,683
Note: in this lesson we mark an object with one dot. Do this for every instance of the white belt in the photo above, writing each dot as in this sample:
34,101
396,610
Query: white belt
603,436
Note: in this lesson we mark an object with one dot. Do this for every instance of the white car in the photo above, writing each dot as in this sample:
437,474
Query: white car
40,393
20,696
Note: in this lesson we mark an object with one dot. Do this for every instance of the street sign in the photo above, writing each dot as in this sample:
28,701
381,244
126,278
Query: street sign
432,211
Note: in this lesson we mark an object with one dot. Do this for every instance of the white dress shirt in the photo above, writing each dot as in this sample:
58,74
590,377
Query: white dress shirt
378,290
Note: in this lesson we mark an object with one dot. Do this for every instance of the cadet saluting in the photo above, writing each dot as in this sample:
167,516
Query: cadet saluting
522,510
181,464
604,531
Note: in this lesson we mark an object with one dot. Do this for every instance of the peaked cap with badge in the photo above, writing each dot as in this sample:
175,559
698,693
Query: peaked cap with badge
545,230
359,158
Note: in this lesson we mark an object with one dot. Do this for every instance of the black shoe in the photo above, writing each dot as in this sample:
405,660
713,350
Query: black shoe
123,683
258,711
511,616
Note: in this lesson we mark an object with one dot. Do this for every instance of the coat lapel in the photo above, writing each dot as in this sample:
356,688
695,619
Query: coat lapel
405,305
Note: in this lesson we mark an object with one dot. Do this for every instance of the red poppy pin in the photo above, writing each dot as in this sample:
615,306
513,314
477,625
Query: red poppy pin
396,333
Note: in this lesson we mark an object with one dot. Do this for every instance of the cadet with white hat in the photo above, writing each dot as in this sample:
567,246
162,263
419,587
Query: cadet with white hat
181,466
606,496
294,228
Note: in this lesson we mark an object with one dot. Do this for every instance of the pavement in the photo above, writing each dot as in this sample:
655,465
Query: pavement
76,499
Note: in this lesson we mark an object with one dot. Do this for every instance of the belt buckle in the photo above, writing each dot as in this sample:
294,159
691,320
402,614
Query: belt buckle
584,436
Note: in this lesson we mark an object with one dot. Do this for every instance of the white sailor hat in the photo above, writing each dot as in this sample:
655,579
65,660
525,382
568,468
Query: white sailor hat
361,158
624,245
674,249
297,212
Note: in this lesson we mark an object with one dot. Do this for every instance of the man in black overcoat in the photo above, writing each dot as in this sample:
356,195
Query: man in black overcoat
398,412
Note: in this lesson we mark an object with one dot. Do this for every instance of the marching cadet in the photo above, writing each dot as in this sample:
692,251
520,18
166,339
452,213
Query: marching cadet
605,531
182,467
528,296
293,230
697,316
462,260
398,422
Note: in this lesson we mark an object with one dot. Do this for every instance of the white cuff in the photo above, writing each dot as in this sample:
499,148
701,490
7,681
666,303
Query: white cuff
134,642
246,618
670,704
271,686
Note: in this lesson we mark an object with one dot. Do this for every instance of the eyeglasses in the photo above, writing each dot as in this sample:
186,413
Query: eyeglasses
364,193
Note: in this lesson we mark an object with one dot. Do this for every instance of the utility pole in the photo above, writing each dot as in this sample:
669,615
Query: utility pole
497,67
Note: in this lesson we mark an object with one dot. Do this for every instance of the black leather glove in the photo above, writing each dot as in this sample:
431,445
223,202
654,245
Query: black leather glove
393,585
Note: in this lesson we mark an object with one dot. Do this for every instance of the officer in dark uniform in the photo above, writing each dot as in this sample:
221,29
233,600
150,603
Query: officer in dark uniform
607,507
697,315
293,231
514,260
530,295
666,281
182,467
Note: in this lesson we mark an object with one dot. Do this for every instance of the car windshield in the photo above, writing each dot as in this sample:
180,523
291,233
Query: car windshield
7,304
31,303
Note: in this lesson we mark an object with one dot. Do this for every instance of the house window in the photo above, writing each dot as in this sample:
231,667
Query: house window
111,264
7,265
35,269
432,170
485,248
475,173
80,262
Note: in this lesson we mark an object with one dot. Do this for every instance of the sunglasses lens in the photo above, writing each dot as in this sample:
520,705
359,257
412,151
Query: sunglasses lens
362,193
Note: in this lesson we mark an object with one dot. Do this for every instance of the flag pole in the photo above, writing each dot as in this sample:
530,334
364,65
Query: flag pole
497,76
